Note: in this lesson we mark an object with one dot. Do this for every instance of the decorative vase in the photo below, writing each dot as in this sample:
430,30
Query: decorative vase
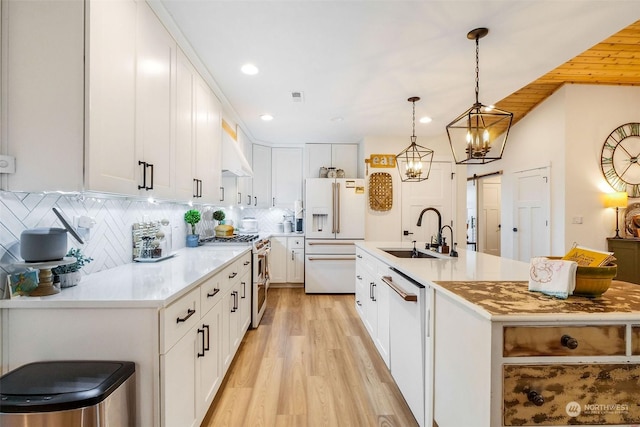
192,240
68,280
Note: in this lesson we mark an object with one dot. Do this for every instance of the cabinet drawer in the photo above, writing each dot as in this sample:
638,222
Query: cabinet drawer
635,340
295,243
210,293
366,260
178,318
244,263
602,340
571,394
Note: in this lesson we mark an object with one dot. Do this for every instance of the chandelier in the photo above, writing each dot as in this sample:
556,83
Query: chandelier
414,162
479,135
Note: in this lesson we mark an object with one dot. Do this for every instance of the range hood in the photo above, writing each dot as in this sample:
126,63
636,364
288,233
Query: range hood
233,161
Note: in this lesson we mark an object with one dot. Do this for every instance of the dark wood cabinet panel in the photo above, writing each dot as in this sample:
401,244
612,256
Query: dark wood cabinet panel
627,253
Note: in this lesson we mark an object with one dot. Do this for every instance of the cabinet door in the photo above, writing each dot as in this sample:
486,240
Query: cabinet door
44,93
345,157
317,156
245,302
295,265
111,149
155,85
230,195
178,383
261,176
286,173
184,153
207,142
278,260
209,360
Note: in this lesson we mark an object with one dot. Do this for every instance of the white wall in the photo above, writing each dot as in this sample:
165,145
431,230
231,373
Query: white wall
566,132
386,226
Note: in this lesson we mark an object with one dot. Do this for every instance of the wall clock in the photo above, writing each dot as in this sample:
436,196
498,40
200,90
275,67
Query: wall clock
620,157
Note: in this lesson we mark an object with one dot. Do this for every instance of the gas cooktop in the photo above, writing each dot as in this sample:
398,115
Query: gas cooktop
235,239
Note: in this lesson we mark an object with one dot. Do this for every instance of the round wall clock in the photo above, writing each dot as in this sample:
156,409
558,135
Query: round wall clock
619,160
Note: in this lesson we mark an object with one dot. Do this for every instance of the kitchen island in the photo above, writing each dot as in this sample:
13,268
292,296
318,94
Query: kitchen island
496,354
180,320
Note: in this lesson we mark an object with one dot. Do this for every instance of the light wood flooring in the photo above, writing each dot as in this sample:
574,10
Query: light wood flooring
309,363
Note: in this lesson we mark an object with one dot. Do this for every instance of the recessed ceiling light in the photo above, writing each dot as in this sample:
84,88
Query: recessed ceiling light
425,119
337,119
266,117
249,69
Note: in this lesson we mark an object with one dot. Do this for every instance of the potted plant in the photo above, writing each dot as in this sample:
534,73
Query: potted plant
219,216
69,274
192,217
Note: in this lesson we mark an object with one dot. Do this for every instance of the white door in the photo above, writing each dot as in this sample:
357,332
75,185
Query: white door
437,192
472,214
319,208
350,206
531,228
489,215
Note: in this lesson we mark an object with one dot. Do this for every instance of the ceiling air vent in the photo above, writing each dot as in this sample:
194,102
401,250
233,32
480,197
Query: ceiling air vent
297,96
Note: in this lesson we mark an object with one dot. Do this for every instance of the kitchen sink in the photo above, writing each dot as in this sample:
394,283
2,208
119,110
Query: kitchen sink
408,253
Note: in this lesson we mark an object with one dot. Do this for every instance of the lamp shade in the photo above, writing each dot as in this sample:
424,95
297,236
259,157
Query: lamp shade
616,200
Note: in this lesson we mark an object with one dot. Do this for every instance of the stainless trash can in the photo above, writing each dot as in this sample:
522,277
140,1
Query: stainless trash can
69,393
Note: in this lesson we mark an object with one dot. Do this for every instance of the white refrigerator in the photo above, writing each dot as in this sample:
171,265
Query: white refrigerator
334,219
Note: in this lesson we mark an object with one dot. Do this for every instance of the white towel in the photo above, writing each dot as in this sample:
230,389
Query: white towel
552,277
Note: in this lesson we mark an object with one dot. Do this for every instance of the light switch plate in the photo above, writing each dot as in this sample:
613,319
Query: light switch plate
7,164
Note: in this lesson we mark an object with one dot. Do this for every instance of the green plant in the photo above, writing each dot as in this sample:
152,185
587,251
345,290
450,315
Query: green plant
219,215
81,260
192,217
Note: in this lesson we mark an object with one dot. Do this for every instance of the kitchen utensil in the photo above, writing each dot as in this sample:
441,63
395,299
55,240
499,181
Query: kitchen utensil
69,228
43,244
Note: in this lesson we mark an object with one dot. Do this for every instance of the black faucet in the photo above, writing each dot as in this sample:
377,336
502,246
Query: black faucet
453,252
419,224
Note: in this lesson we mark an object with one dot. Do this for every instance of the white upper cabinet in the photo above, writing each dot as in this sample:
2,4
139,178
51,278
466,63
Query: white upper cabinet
130,120
286,174
110,146
261,176
43,67
155,103
208,119
186,186
339,156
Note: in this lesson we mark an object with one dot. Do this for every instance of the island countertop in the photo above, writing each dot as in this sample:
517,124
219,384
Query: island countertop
497,288
139,284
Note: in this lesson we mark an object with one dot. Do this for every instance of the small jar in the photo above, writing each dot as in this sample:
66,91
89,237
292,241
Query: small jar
280,227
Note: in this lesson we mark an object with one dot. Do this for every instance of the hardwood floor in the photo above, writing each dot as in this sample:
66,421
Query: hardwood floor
309,363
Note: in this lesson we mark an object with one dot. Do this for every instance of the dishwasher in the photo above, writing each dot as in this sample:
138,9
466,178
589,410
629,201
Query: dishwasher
69,393
408,349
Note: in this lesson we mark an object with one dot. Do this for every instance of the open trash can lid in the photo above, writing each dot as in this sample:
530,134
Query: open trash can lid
61,385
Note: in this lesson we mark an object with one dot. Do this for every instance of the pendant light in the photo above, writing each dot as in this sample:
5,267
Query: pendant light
479,135
414,162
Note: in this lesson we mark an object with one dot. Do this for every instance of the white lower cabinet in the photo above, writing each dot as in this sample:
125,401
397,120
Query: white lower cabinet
295,259
395,311
218,314
278,260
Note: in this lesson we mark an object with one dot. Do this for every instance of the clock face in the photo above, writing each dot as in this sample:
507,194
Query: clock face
620,157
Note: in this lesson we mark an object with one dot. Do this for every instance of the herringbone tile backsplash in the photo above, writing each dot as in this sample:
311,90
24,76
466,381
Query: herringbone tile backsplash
110,241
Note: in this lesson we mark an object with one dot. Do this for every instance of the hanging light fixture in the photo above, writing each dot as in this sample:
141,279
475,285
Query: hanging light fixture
414,162
479,134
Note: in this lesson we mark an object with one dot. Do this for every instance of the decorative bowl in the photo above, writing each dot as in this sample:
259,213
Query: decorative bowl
593,281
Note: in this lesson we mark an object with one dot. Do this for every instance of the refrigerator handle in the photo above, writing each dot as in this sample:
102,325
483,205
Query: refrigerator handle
338,209
333,208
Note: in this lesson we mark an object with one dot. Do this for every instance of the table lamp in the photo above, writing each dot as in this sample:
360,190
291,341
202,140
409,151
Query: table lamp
616,200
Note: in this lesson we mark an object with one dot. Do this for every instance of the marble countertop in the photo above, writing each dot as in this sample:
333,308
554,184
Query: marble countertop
139,284
469,266
497,288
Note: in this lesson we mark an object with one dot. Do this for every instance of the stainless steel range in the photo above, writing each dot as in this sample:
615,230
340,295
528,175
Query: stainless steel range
260,248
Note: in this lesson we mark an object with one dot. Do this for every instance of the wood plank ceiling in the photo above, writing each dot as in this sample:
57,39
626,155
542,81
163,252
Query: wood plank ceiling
614,61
